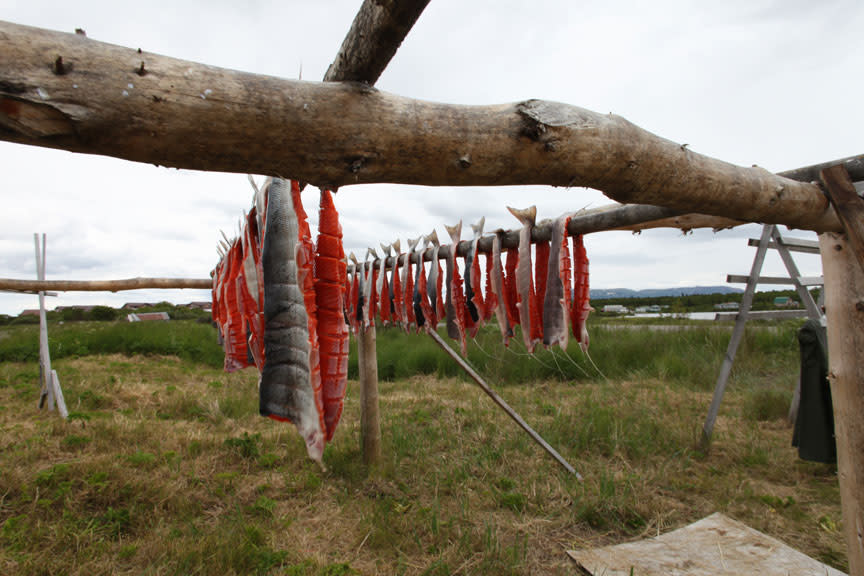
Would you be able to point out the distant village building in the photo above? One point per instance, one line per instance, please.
(615, 309)
(30, 312)
(135, 305)
(652, 309)
(785, 302)
(147, 317)
(727, 306)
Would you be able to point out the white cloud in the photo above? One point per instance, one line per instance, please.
(741, 81)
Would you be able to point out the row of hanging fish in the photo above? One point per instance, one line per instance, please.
(278, 302)
(545, 293)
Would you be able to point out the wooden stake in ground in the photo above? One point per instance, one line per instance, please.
(844, 308)
(370, 424)
(501, 402)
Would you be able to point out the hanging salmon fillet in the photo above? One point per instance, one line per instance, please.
(396, 294)
(455, 305)
(581, 293)
(524, 283)
(330, 278)
(288, 388)
(556, 303)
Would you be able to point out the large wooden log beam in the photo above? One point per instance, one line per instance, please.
(375, 35)
(17, 285)
(66, 91)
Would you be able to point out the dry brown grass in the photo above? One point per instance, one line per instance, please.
(165, 468)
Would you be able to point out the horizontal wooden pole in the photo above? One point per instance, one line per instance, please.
(764, 315)
(803, 280)
(103, 285)
(791, 244)
(625, 217)
(70, 92)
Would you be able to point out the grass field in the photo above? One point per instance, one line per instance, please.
(164, 466)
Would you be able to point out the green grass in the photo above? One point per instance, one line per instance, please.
(186, 339)
(165, 466)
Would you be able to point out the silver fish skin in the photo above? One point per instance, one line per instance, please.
(477, 229)
(368, 319)
(285, 390)
(452, 321)
(526, 217)
(498, 289)
(404, 271)
(417, 297)
(555, 329)
(432, 280)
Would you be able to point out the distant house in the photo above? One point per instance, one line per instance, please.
(30, 312)
(615, 309)
(147, 317)
(135, 305)
(208, 305)
(785, 302)
(727, 306)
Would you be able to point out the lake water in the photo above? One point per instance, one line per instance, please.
(687, 315)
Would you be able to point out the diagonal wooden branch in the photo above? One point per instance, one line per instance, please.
(147, 108)
(375, 35)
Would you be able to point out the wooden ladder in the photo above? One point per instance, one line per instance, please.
(772, 239)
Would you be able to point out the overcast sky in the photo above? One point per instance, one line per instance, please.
(773, 83)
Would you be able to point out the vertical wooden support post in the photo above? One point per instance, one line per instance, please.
(737, 335)
(844, 307)
(370, 425)
(843, 269)
(47, 391)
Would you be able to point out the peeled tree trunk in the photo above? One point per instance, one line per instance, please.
(67, 91)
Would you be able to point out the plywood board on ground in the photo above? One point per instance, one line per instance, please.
(714, 545)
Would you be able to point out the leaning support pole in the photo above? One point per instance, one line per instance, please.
(844, 308)
(500, 402)
(370, 425)
(737, 335)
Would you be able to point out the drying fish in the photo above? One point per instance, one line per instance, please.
(524, 284)
(454, 324)
(330, 277)
(556, 302)
(396, 295)
(498, 294)
(511, 294)
(287, 388)
(490, 302)
(473, 292)
(358, 289)
(252, 288)
(408, 286)
(385, 299)
(370, 296)
(434, 285)
(541, 267)
(581, 290)
(457, 310)
(422, 308)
